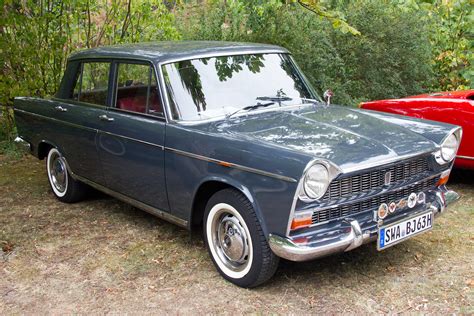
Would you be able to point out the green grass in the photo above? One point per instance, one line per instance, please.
(104, 256)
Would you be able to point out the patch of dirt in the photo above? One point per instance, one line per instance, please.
(104, 256)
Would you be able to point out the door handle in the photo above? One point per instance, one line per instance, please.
(60, 108)
(104, 117)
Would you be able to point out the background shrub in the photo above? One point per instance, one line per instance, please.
(390, 59)
(405, 47)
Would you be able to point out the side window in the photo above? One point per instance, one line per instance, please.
(137, 89)
(92, 83)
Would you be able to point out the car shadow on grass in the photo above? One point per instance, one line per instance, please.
(462, 176)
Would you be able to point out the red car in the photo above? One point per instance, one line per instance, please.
(450, 107)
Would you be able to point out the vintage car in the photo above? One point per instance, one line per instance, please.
(456, 107)
(232, 138)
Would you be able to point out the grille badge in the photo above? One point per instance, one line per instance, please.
(388, 177)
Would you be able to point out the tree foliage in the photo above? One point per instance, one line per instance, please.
(362, 49)
(390, 58)
(37, 36)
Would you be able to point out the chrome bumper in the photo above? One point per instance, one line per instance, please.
(334, 242)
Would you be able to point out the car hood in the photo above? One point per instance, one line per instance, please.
(347, 137)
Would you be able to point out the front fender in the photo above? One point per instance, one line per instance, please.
(229, 181)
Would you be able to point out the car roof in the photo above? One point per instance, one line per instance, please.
(174, 50)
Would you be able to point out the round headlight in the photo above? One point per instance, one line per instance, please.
(449, 147)
(316, 181)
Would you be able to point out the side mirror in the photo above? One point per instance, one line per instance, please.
(327, 96)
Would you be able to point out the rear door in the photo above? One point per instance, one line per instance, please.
(76, 113)
(132, 135)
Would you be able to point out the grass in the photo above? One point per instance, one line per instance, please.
(104, 256)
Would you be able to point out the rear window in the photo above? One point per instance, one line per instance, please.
(92, 83)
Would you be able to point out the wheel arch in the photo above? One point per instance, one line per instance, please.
(44, 146)
(209, 187)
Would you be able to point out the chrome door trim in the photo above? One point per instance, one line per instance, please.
(231, 165)
(132, 139)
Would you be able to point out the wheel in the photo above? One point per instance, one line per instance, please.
(64, 187)
(235, 240)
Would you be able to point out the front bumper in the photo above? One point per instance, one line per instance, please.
(349, 234)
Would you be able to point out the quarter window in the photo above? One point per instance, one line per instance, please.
(92, 83)
(137, 89)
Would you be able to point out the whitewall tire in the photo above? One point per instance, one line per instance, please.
(64, 187)
(235, 240)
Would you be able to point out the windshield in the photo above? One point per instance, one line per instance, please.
(211, 87)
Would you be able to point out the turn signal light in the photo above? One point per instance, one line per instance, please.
(302, 220)
(444, 178)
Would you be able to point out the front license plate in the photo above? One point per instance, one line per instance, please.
(393, 234)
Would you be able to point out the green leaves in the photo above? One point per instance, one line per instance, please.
(37, 37)
(335, 17)
(390, 58)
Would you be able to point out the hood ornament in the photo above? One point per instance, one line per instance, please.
(328, 94)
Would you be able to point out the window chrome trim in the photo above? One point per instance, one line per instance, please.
(75, 102)
(250, 50)
(231, 165)
(465, 157)
(160, 117)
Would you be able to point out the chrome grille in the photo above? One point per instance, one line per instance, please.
(371, 203)
(375, 179)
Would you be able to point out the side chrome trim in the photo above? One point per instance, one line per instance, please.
(89, 128)
(56, 120)
(132, 139)
(231, 165)
(145, 207)
(465, 157)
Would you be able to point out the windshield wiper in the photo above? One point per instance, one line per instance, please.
(251, 107)
(274, 98)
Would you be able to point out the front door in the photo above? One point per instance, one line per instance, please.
(132, 135)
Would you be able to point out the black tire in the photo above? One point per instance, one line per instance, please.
(65, 188)
(260, 263)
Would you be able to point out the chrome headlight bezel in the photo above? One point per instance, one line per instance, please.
(449, 147)
(321, 169)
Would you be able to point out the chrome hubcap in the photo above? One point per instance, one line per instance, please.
(58, 173)
(230, 241)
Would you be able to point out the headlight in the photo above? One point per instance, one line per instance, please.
(449, 148)
(316, 181)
